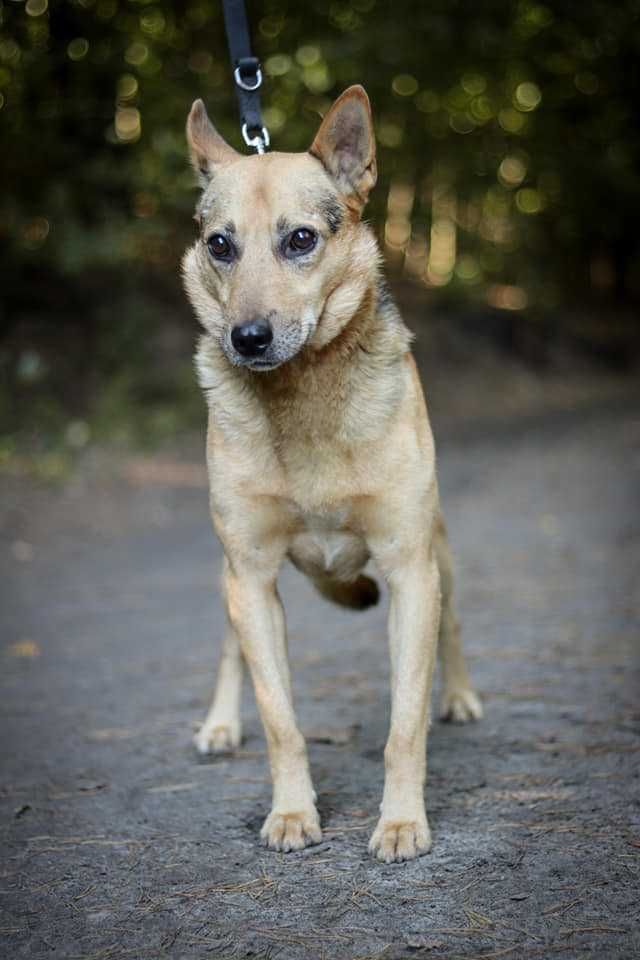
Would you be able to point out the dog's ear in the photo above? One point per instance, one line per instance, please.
(346, 146)
(207, 147)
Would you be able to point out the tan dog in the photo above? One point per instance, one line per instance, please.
(319, 449)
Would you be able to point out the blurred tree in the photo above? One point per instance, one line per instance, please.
(509, 153)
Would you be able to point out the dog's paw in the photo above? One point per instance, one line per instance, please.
(291, 831)
(460, 706)
(396, 840)
(222, 738)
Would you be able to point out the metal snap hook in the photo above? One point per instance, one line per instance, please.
(260, 142)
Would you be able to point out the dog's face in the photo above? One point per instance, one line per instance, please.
(282, 259)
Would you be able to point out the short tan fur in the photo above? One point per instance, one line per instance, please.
(319, 450)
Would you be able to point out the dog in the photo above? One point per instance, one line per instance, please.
(319, 450)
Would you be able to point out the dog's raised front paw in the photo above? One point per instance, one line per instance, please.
(291, 831)
(222, 738)
(460, 706)
(395, 840)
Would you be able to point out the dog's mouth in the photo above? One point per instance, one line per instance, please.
(259, 364)
(262, 364)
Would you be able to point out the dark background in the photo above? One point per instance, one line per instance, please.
(506, 207)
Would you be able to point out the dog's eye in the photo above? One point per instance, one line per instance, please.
(219, 247)
(301, 241)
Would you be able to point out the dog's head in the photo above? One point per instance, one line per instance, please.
(282, 260)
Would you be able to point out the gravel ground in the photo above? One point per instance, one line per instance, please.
(118, 842)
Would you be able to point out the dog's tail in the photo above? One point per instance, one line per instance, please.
(358, 594)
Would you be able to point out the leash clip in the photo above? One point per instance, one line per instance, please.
(247, 75)
(260, 142)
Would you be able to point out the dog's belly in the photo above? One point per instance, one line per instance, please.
(323, 549)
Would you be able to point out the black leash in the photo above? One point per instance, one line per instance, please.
(246, 74)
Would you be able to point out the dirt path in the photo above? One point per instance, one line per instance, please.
(119, 843)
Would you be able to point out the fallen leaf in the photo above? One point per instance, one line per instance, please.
(24, 648)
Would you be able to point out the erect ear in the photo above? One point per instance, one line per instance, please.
(346, 146)
(207, 147)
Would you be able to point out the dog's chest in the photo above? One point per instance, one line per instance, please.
(324, 483)
(322, 479)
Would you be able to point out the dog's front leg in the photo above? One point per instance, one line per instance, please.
(403, 831)
(257, 616)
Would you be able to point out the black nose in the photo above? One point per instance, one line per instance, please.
(251, 339)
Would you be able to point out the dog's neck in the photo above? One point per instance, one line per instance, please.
(346, 389)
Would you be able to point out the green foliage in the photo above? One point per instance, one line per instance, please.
(523, 112)
(509, 152)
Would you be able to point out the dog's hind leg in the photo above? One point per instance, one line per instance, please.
(458, 701)
(222, 728)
